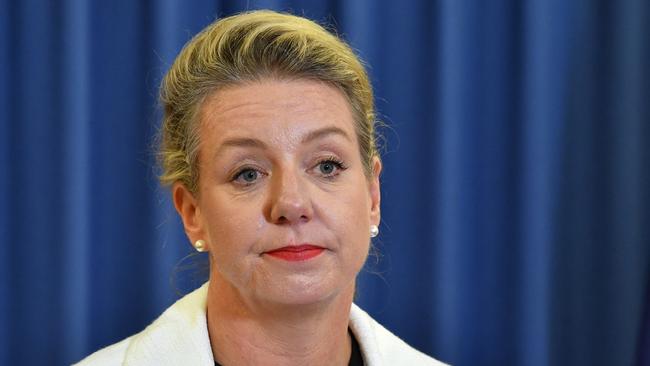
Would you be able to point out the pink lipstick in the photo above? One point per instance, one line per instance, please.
(297, 252)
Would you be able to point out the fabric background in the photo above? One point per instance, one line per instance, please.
(516, 207)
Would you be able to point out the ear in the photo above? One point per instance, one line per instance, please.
(189, 211)
(375, 192)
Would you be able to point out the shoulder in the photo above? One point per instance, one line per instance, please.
(380, 346)
(179, 336)
(111, 355)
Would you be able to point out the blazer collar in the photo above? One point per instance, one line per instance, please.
(180, 335)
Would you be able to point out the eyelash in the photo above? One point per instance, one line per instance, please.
(340, 166)
(239, 173)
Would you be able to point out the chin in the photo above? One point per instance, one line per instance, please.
(301, 291)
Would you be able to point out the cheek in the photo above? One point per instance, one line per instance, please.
(234, 232)
(352, 217)
(232, 225)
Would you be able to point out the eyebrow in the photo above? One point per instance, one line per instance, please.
(243, 142)
(322, 132)
(255, 143)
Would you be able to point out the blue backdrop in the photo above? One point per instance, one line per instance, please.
(516, 199)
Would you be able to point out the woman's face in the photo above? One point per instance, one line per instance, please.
(280, 168)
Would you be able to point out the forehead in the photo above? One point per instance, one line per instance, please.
(275, 110)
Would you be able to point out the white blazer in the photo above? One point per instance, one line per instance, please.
(180, 337)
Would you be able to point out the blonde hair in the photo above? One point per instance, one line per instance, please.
(248, 47)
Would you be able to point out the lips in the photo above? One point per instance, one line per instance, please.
(294, 253)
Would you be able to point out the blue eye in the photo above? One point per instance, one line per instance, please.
(330, 167)
(327, 167)
(247, 176)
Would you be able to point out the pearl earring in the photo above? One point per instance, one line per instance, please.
(199, 245)
(374, 231)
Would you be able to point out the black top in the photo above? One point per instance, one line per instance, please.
(355, 356)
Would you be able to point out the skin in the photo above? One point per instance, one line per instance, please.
(279, 166)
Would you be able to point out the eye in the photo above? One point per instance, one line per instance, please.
(247, 176)
(327, 167)
(330, 167)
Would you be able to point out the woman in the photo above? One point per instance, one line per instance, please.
(268, 143)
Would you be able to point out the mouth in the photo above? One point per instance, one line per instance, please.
(295, 253)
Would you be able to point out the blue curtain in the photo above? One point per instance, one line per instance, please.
(516, 199)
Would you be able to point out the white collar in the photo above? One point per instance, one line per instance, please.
(180, 335)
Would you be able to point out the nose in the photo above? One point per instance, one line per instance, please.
(289, 200)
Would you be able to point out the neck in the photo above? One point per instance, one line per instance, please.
(245, 333)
